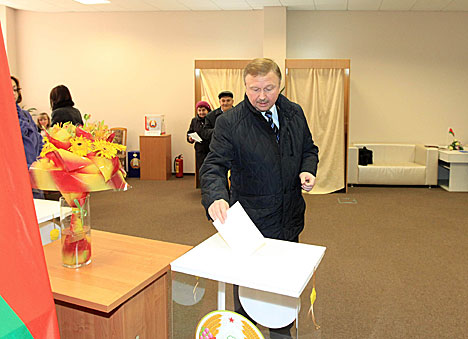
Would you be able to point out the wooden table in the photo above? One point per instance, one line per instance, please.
(122, 293)
(155, 157)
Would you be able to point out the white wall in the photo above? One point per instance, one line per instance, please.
(409, 74)
(120, 66)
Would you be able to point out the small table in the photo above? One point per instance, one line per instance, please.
(155, 157)
(453, 170)
(122, 293)
(264, 270)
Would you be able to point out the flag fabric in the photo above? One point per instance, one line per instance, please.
(27, 307)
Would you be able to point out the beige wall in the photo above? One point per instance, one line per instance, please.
(409, 74)
(274, 35)
(408, 70)
(8, 21)
(120, 66)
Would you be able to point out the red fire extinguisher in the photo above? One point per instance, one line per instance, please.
(179, 166)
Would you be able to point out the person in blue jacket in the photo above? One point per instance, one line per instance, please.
(32, 139)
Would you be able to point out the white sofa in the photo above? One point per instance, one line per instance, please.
(394, 164)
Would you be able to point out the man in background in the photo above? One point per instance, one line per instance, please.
(266, 144)
(226, 100)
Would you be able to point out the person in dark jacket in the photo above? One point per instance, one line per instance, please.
(226, 101)
(201, 148)
(62, 107)
(32, 139)
(266, 143)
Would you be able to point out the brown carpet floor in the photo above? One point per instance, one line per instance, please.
(396, 264)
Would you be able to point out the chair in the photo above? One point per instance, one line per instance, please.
(121, 139)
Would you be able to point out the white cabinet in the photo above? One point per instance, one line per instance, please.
(453, 170)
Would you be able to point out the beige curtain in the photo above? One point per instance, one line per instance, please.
(214, 81)
(320, 92)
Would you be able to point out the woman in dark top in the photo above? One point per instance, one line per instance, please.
(201, 148)
(62, 107)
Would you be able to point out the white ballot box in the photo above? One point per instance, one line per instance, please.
(271, 281)
(154, 124)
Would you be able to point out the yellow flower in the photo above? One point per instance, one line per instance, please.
(98, 130)
(106, 149)
(120, 147)
(81, 146)
(62, 132)
(47, 147)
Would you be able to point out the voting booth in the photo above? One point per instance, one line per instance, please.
(271, 280)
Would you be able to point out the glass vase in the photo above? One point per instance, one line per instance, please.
(75, 230)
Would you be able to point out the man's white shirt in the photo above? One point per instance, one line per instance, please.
(274, 115)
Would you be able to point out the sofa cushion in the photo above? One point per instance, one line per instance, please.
(405, 173)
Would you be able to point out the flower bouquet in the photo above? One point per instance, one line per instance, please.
(455, 145)
(77, 161)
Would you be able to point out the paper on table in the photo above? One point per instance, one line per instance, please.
(239, 232)
(195, 137)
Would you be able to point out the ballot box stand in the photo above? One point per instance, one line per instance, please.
(275, 283)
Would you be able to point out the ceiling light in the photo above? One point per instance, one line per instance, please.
(93, 2)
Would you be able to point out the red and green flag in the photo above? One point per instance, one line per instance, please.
(27, 307)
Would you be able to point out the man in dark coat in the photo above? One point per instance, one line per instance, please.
(266, 143)
(226, 100)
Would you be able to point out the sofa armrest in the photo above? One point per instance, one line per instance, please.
(428, 156)
(353, 170)
(420, 155)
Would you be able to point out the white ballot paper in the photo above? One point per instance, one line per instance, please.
(239, 232)
(195, 137)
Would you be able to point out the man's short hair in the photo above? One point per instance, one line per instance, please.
(225, 94)
(262, 66)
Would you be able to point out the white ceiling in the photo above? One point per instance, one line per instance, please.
(218, 5)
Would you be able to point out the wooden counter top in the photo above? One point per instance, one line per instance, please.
(121, 266)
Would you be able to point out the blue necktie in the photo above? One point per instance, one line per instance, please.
(275, 129)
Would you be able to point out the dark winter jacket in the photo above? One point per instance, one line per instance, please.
(264, 173)
(210, 123)
(65, 114)
(196, 125)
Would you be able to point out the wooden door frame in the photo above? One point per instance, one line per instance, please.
(345, 65)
